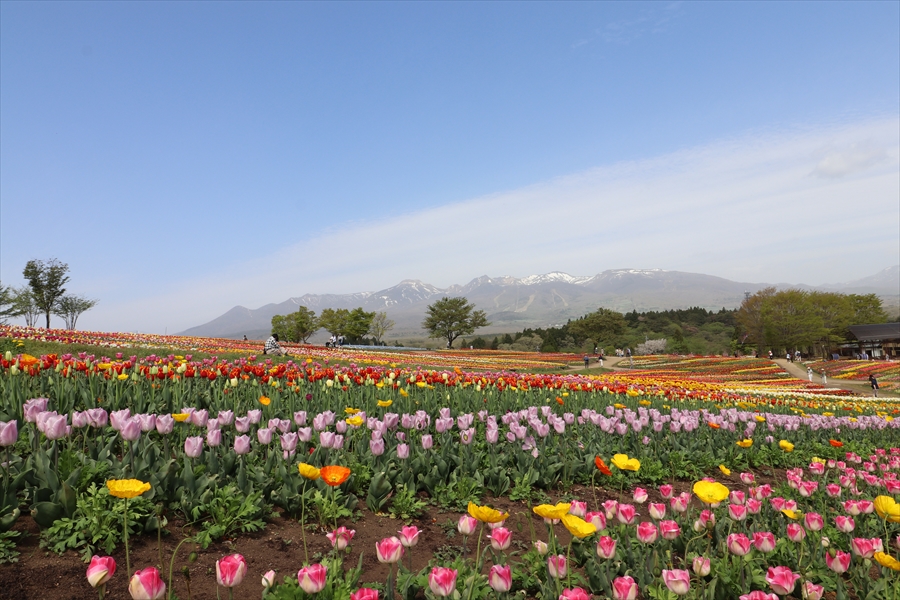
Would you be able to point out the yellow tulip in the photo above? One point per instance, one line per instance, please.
(486, 514)
(711, 492)
(578, 526)
(887, 508)
(385, 403)
(127, 488)
(623, 462)
(548, 511)
(181, 417)
(786, 446)
(745, 443)
(308, 471)
(351, 411)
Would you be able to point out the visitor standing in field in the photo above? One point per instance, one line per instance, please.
(874, 383)
(809, 371)
(587, 360)
(824, 377)
(273, 347)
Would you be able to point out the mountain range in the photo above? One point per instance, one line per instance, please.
(512, 304)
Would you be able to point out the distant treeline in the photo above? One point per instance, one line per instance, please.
(693, 330)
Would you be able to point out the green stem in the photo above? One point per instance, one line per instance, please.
(172, 565)
(303, 523)
(125, 534)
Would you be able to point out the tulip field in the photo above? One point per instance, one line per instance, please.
(361, 476)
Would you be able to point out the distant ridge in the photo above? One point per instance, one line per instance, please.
(537, 300)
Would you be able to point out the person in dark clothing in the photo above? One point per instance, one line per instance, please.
(874, 383)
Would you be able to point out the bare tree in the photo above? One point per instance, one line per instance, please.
(25, 306)
(69, 308)
(380, 325)
(46, 280)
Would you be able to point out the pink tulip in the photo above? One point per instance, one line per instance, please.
(666, 491)
(500, 578)
(839, 563)
(9, 433)
(624, 588)
(701, 566)
(467, 524)
(193, 446)
(364, 594)
(101, 569)
(389, 550)
(230, 570)
(268, 580)
(764, 541)
(753, 506)
(146, 584)
(409, 536)
(812, 591)
(242, 444)
(639, 495)
(500, 538)
(738, 544)
(557, 566)
(578, 508)
(795, 532)
(866, 548)
(813, 521)
(340, 538)
(758, 595)
(32, 408)
(657, 510)
(677, 580)
(647, 532)
(597, 519)
(680, 502)
(541, 547)
(867, 507)
(844, 524)
(575, 593)
(606, 547)
(737, 512)
(747, 478)
(625, 514)
(312, 578)
(782, 580)
(610, 506)
(442, 581)
(669, 530)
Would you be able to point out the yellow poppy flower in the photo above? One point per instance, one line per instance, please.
(486, 514)
(745, 443)
(308, 471)
(385, 403)
(792, 514)
(351, 411)
(886, 560)
(786, 446)
(181, 417)
(711, 492)
(623, 462)
(725, 470)
(549, 511)
(355, 420)
(760, 419)
(127, 488)
(617, 405)
(578, 526)
(887, 508)
(265, 400)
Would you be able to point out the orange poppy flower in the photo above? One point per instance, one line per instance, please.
(602, 466)
(714, 425)
(836, 443)
(334, 475)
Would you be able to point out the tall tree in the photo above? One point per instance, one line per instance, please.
(297, 326)
(7, 304)
(450, 318)
(750, 318)
(24, 306)
(380, 325)
(603, 326)
(791, 320)
(69, 308)
(46, 280)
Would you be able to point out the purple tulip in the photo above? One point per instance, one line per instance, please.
(97, 417)
(403, 451)
(326, 439)
(117, 417)
(165, 424)
(148, 422)
(427, 442)
(300, 418)
(33, 408)
(225, 417)
(79, 419)
(376, 446)
(214, 437)
(242, 424)
(338, 442)
(200, 417)
(493, 435)
(193, 446)
(304, 434)
(212, 424)
(131, 429)
(264, 435)
(340, 426)
(242, 444)
(255, 416)
(9, 433)
(289, 442)
(56, 427)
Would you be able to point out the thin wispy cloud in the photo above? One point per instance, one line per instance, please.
(736, 208)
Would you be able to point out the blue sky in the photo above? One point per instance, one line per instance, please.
(184, 158)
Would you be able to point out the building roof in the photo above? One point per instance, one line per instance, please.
(876, 333)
